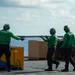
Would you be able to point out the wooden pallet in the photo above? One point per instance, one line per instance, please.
(34, 58)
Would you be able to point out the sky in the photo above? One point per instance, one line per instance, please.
(36, 17)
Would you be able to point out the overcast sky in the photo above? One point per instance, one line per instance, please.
(36, 17)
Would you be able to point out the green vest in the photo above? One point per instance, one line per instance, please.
(5, 36)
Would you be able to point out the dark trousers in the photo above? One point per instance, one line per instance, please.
(5, 49)
(49, 58)
(67, 57)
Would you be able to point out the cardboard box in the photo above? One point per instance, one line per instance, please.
(37, 49)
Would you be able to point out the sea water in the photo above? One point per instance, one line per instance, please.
(23, 43)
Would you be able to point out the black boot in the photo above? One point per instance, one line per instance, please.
(48, 69)
(9, 69)
(57, 64)
(64, 70)
(74, 69)
(66, 67)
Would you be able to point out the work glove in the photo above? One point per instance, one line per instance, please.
(41, 36)
(46, 37)
(22, 38)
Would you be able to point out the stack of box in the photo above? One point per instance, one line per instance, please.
(37, 49)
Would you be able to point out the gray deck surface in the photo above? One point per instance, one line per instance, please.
(36, 67)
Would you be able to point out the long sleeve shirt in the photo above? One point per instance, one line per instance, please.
(52, 41)
(68, 40)
(5, 36)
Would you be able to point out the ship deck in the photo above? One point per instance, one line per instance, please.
(36, 67)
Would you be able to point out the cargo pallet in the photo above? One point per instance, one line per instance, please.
(34, 58)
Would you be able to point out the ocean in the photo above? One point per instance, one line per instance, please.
(23, 43)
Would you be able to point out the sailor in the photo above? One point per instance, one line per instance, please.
(52, 43)
(5, 39)
(67, 45)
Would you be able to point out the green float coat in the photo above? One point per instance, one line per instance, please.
(5, 36)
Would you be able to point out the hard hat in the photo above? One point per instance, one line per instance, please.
(52, 31)
(66, 28)
(6, 26)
